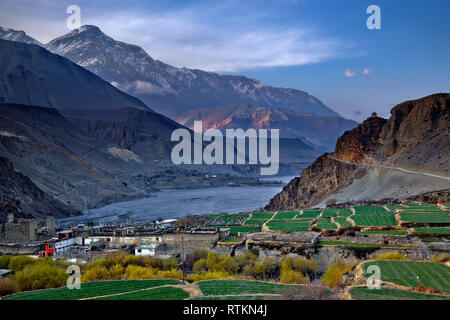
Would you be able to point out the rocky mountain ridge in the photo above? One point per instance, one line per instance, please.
(170, 90)
(380, 151)
(319, 132)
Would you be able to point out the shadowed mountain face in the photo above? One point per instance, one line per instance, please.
(31, 75)
(405, 155)
(21, 197)
(320, 132)
(63, 161)
(167, 89)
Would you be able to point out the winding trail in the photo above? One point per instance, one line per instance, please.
(365, 165)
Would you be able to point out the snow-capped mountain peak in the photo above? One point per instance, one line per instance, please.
(17, 35)
(167, 89)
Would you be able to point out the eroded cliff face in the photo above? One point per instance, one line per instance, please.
(416, 136)
(354, 145)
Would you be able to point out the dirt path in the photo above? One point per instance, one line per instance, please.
(266, 228)
(193, 290)
(365, 165)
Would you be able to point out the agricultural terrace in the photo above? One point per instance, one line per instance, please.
(335, 218)
(262, 215)
(412, 274)
(236, 287)
(337, 212)
(373, 216)
(425, 217)
(364, 293)
(285, 215)
(289, 225)
(342, 222)
(92, 289)
(254, 222)
(326, 224)
(309, 214)
(237, 229)
(433, 230)
(161, 293)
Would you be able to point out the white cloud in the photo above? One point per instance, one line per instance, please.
(348, 73)
(203, 37)
(367, 71)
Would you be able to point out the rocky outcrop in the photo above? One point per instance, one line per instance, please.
(416, 136)
(363, 140)
(324, 177)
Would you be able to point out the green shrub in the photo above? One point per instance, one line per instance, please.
(95, 273)
(139, 273)
(292, 277)
(40, 276)
(20, 262)
(334, 274)
(8, 286)
(4, 261)
(391, 256)
(200, 266)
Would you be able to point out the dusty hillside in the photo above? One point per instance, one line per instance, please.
(380, 158)
(62, 160)
(20, 196)
(417, 135)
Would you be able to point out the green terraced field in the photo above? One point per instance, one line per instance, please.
(309, 214)
(91, 289)
(243, 229)
(423, 207)
(163, 293)
(388, 232)
(430, 217)
(262, 215)
(433, 230)
(394, 207)
(255, 222)
(340, 212)
(234, 287)
(368, 220)
(228, 216)
(363, 293)
(326, 224)
(285, 215)
(342, 222)
(288, 225)
(371, 210)
(412, 274)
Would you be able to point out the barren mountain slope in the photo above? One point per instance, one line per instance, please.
(405, 155)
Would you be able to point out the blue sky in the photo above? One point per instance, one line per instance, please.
(319, 46)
